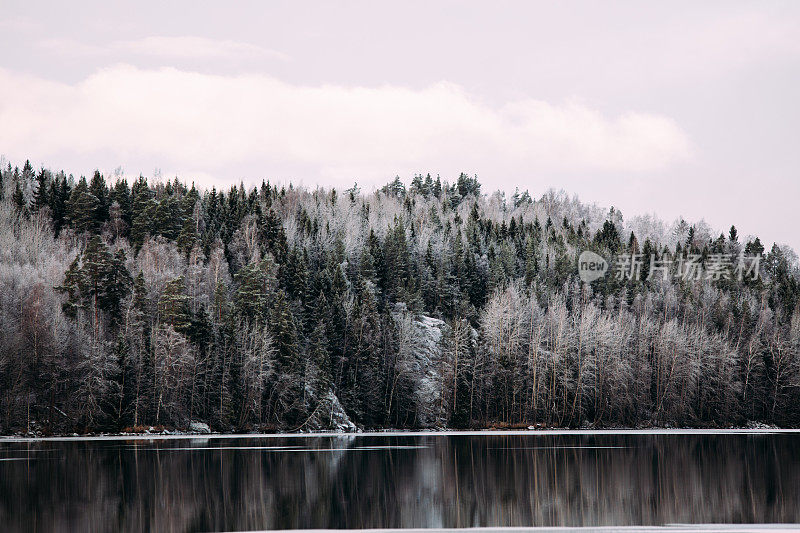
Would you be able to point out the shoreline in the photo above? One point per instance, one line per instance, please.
(409, 433)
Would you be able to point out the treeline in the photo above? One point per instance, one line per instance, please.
(135, 304)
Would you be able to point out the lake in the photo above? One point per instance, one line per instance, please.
(555, 479)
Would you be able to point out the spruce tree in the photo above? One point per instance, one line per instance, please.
(118, 286)
(289, 365)
(257, 282)
(142, 212)
(188, 236)
(41, 193)
(99, 190)
(364, 378)
(125, 380)
(121, 194)
(18, 198)
(318, 355)
(284, 334)
(173, 306)
(60, 197)
(82, 208)
(72, 288)
(27, 172)
(274, 237)
(168, 219)
(96, 269)
(531, 263)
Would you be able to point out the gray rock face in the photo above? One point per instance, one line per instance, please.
(199, 427)
(330, 416)
(428, 354)
(420, 361)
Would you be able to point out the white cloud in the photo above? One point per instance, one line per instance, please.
(185, 47)
(187, 120)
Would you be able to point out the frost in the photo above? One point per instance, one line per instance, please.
(199, 427)
(330, 416)
(421, 362)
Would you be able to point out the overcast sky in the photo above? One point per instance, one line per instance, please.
(673, 108)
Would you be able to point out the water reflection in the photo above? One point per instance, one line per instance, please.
(403, 481)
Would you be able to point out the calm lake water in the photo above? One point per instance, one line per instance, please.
(199, 484)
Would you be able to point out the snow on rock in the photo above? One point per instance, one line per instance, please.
(421, 361)
(753, 424)
(329, 415)
(199, 427)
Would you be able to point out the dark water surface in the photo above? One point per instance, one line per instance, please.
(373, 481)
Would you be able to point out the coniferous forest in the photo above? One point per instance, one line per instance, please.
(131, 304)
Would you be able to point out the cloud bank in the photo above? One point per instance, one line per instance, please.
(204, 123)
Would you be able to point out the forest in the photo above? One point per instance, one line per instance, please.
(126, 305)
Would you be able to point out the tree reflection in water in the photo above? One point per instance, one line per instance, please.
(400, 481)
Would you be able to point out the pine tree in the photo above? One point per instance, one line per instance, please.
(459, 354)
(608, 237)
(99, 190)
(121, 195)
(60, 193)
(97, 265)
(284, 333)
(274, 237)
(733, 235)
(27, 172)
(82, 208)
(173, 306)
(188, 237)
(142, 212)
(395, 260)
(319, 356)
(295, 274)
(41, 194)
(125, 380)
(18, 198)
(168, 219)
(118, 286)
(531, 263)
(72, 288)
(257, 283)
(364, 379)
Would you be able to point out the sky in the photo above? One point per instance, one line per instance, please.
(674, 108)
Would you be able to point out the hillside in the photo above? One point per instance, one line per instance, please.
(127, 305)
